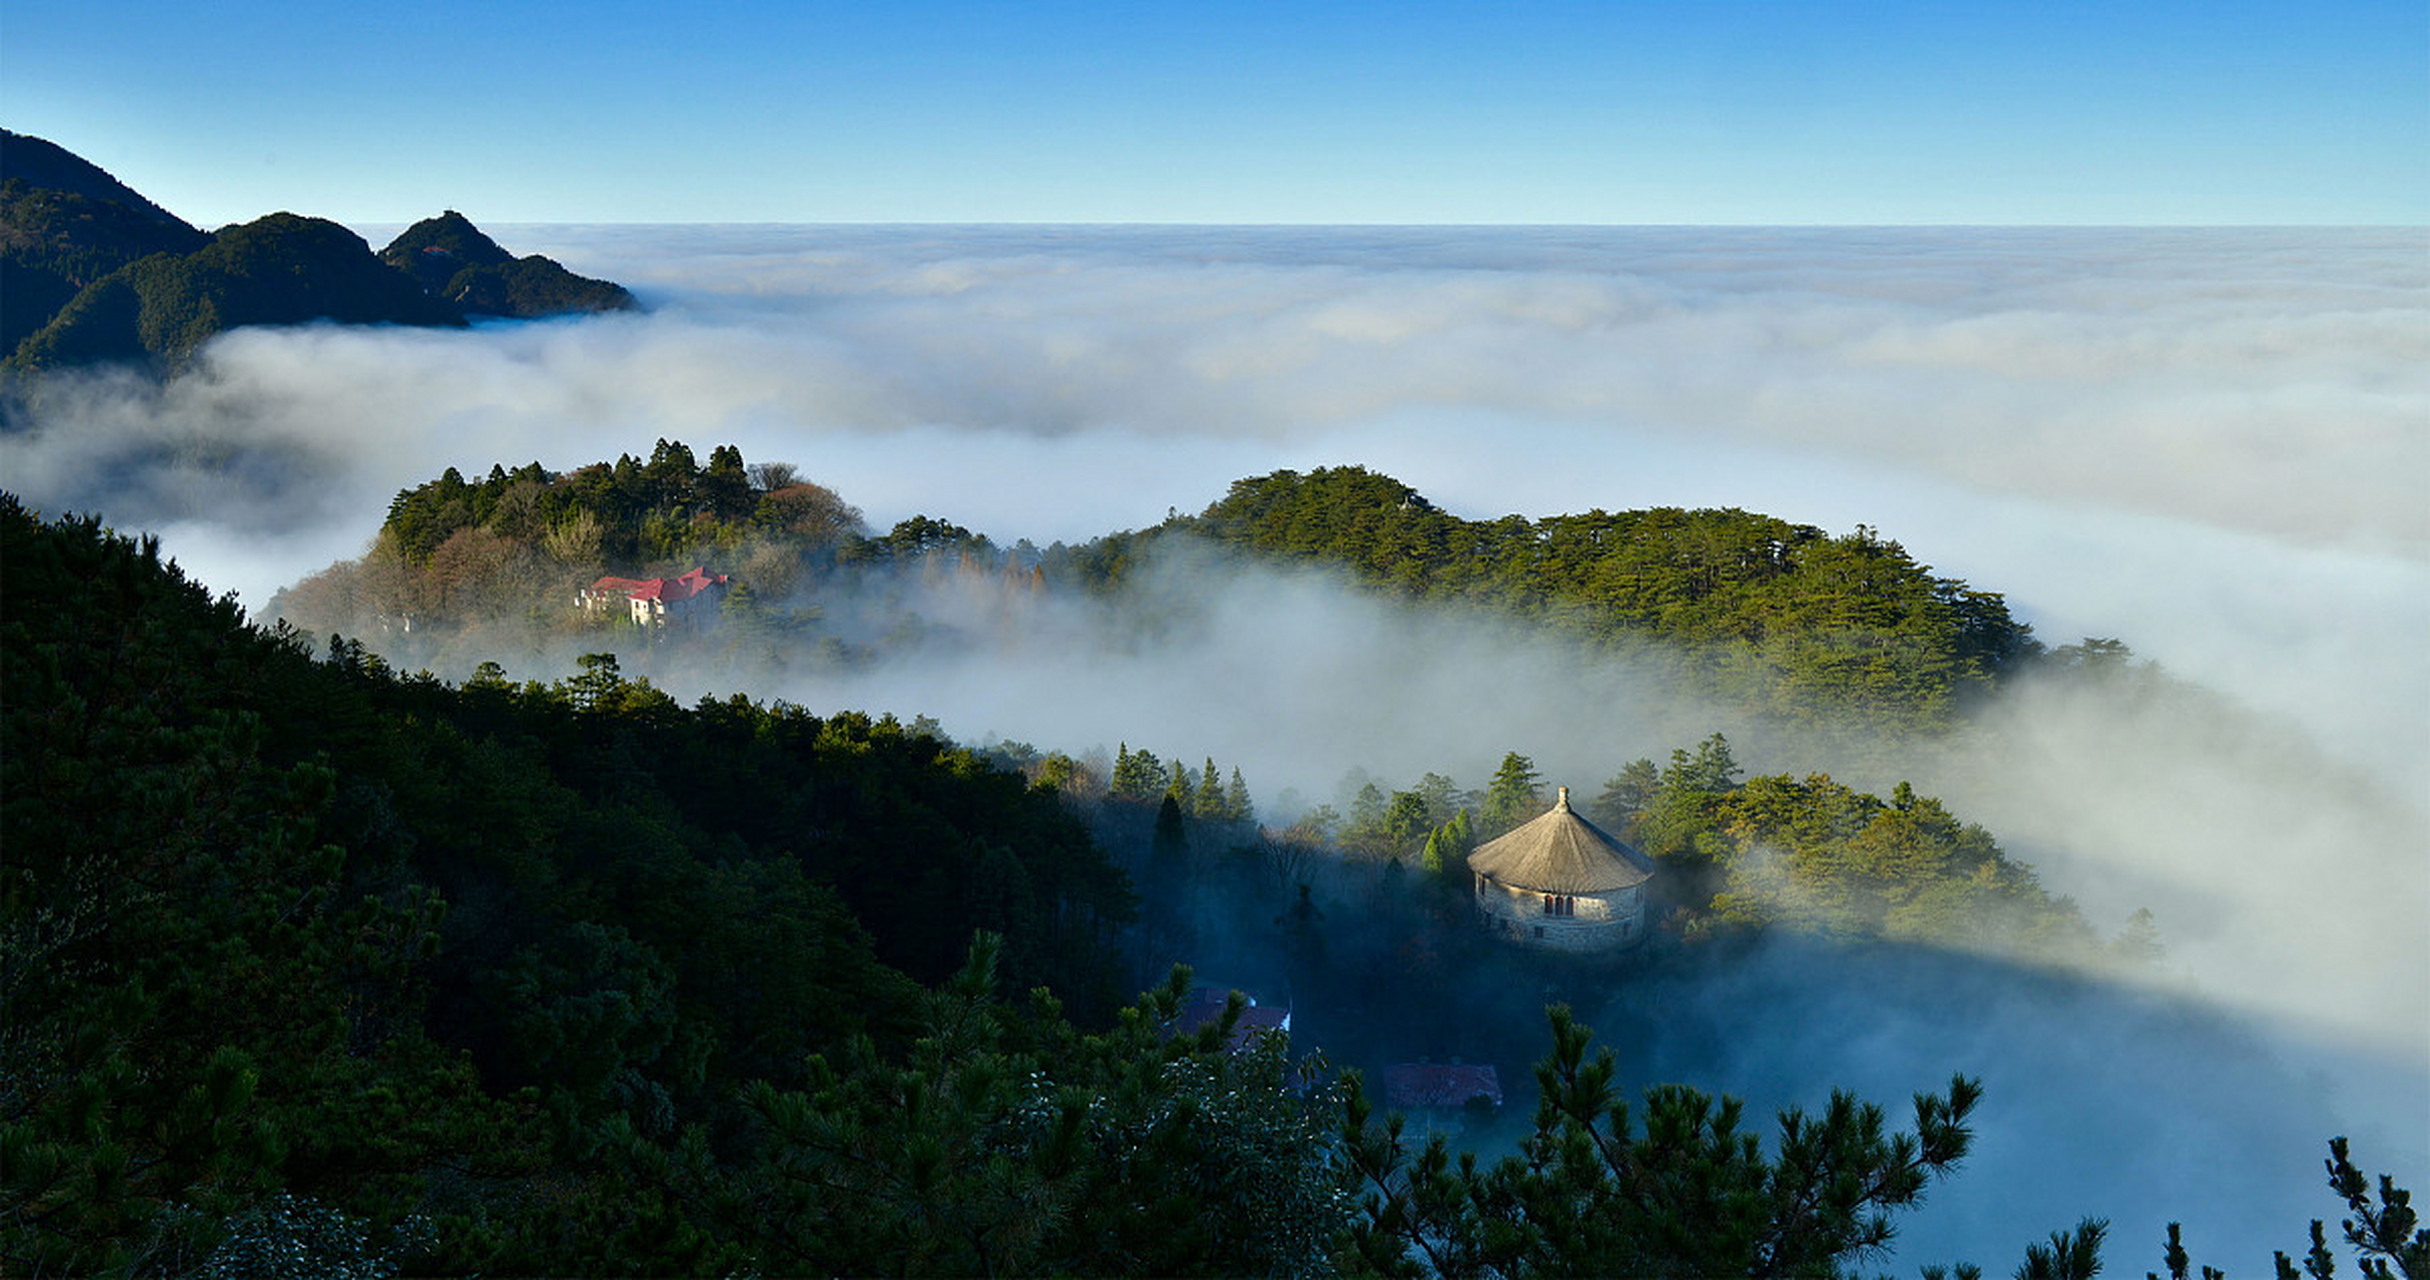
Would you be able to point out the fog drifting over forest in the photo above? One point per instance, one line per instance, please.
(2209, 444)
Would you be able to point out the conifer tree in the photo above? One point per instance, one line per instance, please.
(1405, 820)
(1138, 775)
(1686, 1192)
(1514, 796)
(1236, 803)
(1208, 802)
(1627, 794)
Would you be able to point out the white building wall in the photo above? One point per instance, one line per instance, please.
(1603, 922)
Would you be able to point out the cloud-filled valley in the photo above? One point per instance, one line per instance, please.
(2208, 444)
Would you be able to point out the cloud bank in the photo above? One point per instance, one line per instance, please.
(2207, 443)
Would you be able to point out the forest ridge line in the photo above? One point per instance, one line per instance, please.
(1780, 618)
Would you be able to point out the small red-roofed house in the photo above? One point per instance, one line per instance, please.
(653, 601)
(608, 593)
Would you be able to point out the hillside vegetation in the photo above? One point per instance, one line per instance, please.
(1792, 626)
(271, 924)
(310, 969)
(462, 564)
(1846, 628)
(1779, 616)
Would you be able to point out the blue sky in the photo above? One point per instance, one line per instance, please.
(2150, 112)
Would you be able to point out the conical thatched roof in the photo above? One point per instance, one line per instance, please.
(1562, 852)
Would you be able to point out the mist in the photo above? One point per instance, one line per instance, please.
(2205, 443)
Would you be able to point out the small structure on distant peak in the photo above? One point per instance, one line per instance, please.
(651, 602)
(1562, 883)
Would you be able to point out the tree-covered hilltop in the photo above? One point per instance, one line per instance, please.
(1816, 855)
(629, 512)
(459, 562)
(1782, 623)
(1780, 617)
(1735, 857)
(450, 258)
(64, 223)
(91, 272)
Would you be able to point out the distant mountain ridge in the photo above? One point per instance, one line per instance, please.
(450, 258)
(92, 272)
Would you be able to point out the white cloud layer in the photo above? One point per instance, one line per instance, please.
(2210, 444)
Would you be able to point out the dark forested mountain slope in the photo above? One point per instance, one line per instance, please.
(271, 923)
(43, 164)
(97, 273)
(282, 269)
(65, 224)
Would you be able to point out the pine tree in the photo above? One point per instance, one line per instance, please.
(1364, 831)
(1627, 794)
(1442, 797)
(1711, 769)
(1405, 820)
(1684, 1192)
(1433, 861)
(1515, 795)
(1208, 802)
(1138, 775)
(1236, 803)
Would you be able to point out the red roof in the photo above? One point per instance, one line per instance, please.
(667, 589)
(1409, 1086)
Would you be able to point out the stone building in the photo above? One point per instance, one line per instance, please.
(1562, 883)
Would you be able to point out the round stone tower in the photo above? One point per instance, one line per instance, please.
(1562, 883)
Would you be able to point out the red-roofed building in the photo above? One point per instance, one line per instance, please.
(651, 601)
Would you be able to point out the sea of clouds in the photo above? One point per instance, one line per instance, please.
(2212, 444)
